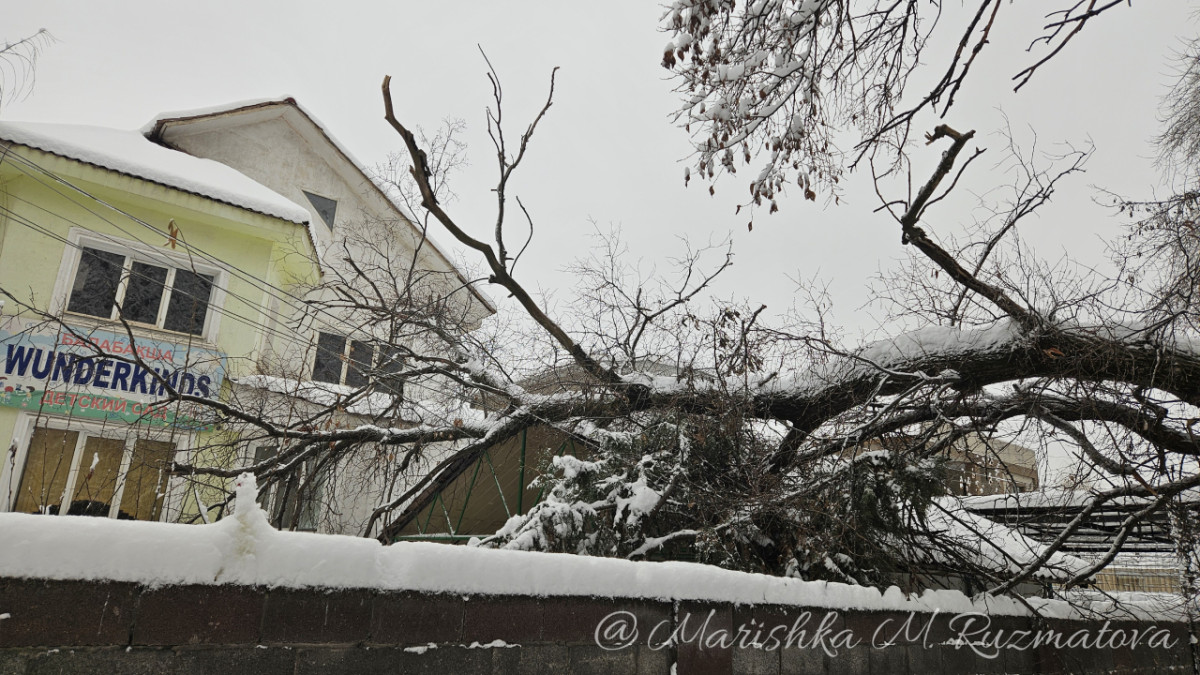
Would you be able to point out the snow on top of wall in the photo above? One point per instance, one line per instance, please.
(130, 153)
(245, 549)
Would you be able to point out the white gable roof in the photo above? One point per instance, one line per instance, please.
(130, 153)
(217, 116)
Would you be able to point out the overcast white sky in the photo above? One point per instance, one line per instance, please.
(607, 152)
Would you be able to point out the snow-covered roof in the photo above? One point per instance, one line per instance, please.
(996, 546)
(130, 153)
(155, 128)
(1055, 498)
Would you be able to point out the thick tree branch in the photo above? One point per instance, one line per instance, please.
(499, 272)
(915, 235)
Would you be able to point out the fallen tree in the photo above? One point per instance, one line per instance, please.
(770, 444)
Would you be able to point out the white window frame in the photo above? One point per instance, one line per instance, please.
(79, 238)
(347, 344)
(13, 469)
(377, 352)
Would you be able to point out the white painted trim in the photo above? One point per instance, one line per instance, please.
(69, 267)
(14, 464)
(122, 470)
(72, 466)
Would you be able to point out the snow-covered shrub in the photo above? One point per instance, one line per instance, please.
(703, 488)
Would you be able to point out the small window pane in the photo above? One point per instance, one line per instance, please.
(146, 481)
(46, 467)
(99, 466)
(263, 453)
(188, 305)
(360, 363)
(387, 378)
(284, 515)
(327, 366)
(326, 207)
(144, 294)
(310, 494)
(94, 290)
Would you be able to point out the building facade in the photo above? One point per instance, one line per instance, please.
(986, 466)
(127, 268)
(188, 257)
(320, 350)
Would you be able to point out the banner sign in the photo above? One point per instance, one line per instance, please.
(98, 374)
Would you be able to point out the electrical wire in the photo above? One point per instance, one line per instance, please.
(279, 293)
(225, 312)
(272, 290)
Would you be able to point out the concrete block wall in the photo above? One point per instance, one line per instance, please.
(67, 627)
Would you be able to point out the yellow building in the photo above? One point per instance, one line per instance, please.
(126, 267)
(189, 255)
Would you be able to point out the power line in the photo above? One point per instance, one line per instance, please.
(272, 290)
(20, 220)
(340, 324)
(192, 249)
(451, 393)
(305, 308)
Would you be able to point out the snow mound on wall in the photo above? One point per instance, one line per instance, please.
(245, 549)
(130, 153)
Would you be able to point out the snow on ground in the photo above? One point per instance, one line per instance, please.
(245, 549)
(130, 153)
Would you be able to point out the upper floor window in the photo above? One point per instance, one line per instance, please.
(114, 285)
(326, 207)
(356, 363)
